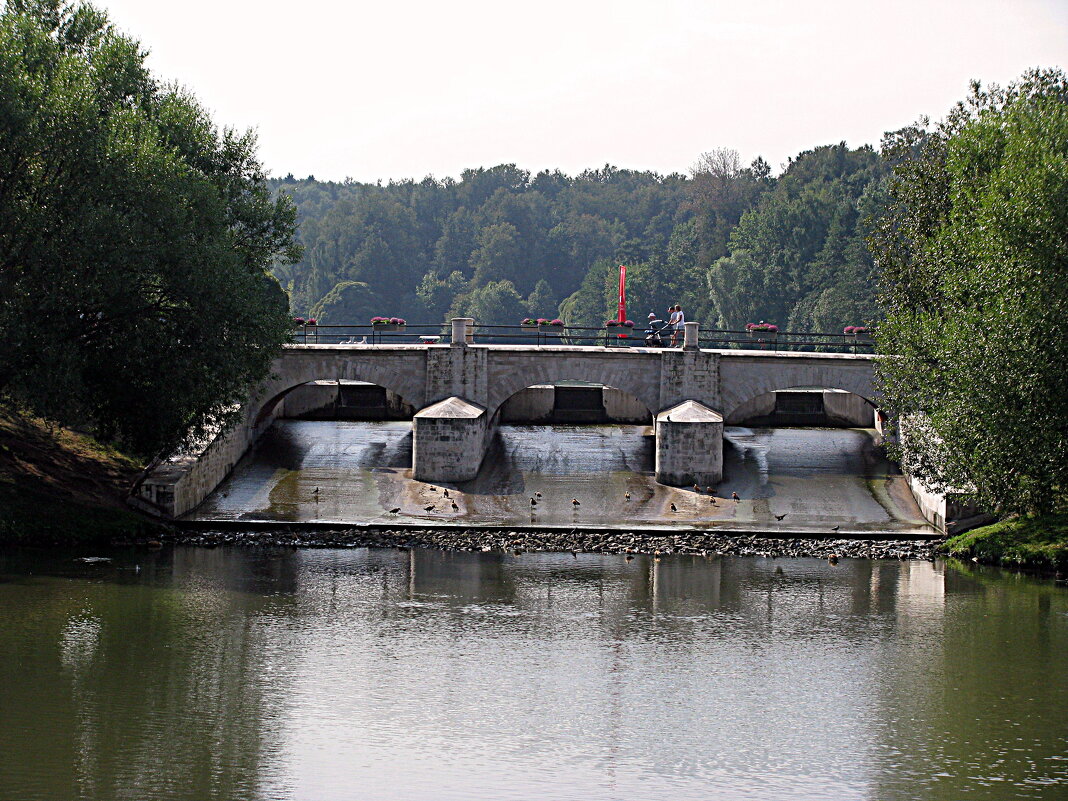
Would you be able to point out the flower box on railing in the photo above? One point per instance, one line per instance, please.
(858, 331)
(762, 331)
(543, 325)
(627, 324)
(387, 324)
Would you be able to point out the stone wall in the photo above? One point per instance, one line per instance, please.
(536, 405)
(689, 445)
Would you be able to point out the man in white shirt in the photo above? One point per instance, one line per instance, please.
(678, 322)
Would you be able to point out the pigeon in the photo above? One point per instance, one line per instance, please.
(394, 510)
(780, 517)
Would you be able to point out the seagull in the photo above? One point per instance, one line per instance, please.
(394, 511)
(780, 517)
(734, 496)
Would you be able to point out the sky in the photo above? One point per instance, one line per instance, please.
(388, 91)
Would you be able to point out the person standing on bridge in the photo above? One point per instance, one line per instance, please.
(679, 324)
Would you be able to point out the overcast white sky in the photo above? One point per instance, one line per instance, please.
(380, 90)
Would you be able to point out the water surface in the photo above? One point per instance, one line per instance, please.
(817, 478)
(358, 674)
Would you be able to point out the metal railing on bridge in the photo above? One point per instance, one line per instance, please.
(617, 336)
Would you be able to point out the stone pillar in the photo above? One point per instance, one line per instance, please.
(461, 331)
(449, 439)
(689, 445)
(689, 341)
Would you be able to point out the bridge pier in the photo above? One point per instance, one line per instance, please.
(689, 445)
(449, 440)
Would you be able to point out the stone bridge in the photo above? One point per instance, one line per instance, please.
(459, 389)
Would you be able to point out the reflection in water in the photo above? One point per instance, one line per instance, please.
(817, 478)
(330, 674)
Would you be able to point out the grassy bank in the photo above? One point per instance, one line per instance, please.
(59, 486)
(1034, 543)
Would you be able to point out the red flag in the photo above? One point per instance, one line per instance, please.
(622, 293)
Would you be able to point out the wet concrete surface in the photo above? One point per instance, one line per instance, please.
(354, 473)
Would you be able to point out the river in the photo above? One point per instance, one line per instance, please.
(255, 673)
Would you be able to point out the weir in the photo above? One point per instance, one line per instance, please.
(460, 388)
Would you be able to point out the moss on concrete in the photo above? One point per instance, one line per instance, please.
(1033, 543)
(59, 486)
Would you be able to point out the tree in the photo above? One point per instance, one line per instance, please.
(135, 238)
(974, 253)
(348, 303)
(496, 303)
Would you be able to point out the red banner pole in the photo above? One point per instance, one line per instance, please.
(622, 293)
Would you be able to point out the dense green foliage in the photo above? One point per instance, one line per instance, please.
(134, 238)
(1033, 542)
(974, 253)
(730, 243)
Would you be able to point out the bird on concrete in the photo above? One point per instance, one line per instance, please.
(455, 507)
(575, 554)
(833, 558)
(656, 556)
(712, 501)
(446, 493)
(674, 508)
(627, 496)
(394, 510)
(429, 508)
(537, 494)
(696, 488)
(708, 490)
(780, 517)
(835, 529)
(575, 502)
(629, 558)
(734, 496)
(533, 502)
(432, 488)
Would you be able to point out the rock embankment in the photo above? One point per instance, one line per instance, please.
(613, 542)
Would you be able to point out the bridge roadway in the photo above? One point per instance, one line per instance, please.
(459, 388)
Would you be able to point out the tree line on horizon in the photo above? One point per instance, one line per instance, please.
(730, 242)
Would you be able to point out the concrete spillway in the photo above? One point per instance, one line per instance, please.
(817, 478)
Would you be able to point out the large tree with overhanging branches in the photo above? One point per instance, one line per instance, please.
(135, 238)
(974, 259)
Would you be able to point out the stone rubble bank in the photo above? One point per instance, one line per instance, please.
(578, 541)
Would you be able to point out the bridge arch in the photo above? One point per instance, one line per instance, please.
(402, 373)
(744, 378)
(637, 375)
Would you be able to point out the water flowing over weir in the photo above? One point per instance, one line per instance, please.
(343, 472)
